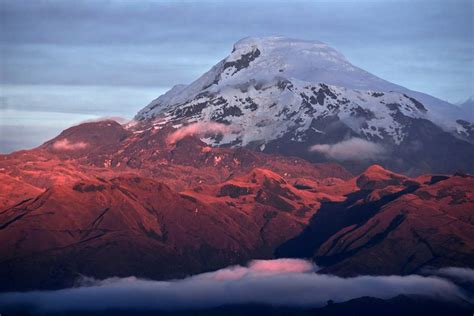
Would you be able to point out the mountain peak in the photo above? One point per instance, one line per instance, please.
(269, 59)
(377, 177)
(277, 42)
(274, 87)
(273, 39)
(264, 58)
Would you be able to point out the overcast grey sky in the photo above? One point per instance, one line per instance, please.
(66, 61)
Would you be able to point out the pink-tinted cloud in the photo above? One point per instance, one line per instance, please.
(282, 266)
(263, 267)
(198, 129)
(355, 149)
(65, 144)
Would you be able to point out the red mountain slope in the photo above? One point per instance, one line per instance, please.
(101, 200)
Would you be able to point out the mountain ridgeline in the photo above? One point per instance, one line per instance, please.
(270, 154)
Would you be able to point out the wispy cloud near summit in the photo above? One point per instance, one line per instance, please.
(355, 149)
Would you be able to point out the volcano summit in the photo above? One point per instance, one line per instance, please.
(284, 96)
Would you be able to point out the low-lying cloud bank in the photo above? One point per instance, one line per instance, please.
(355, 149)
(282, 282)
(198, 129)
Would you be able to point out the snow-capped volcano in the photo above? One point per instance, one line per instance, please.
(286, 95)
(267, 58)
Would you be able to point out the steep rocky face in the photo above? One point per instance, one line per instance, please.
(430, 226)
(285, 96)
(391, 225)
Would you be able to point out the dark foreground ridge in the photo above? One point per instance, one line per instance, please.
(364, 306)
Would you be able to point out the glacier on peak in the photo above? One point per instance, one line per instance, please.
(284, 96)
(262, 59)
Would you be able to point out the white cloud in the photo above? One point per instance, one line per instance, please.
(198, 129)
(460, 274)
(351, 149)
(282, 282)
